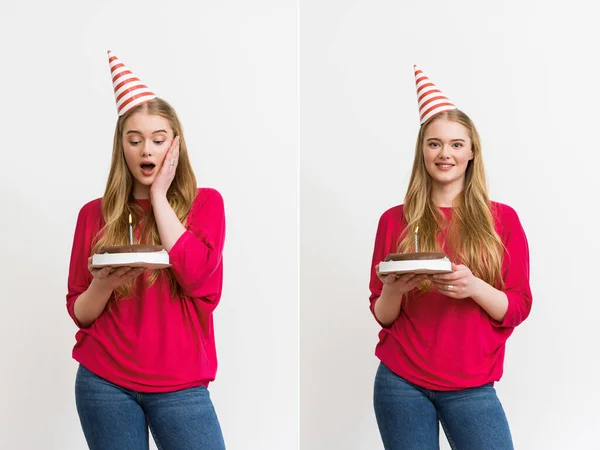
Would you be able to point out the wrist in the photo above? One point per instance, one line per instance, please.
(100, 288)
(157, 197)
(391, 292)
(479, 288)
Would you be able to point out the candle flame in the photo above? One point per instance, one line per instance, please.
(417, 230)
(129, 218)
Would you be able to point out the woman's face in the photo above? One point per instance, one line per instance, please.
(146, 140)
(447, 150)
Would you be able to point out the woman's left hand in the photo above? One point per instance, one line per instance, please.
(165, 177)
(461, 283)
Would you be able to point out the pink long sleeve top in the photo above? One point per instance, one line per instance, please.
(442, 343)
(153, 341)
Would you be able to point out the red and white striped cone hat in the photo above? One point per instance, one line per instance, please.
(129, 90)
(431, 100)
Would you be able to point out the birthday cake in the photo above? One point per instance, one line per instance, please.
(137, 255)
(420, 262)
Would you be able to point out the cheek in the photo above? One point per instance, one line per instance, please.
(465, 158)
(161, 150)
(128, 152)
(131, 158)
(429, 156)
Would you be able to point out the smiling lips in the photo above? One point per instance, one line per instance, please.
(444, 166)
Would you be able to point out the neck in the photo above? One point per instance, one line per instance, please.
(141, 192)
(444, 195)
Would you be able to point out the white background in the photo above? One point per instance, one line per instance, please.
(230, 71)
(526, 73)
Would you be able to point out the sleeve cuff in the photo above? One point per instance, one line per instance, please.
(508, 320)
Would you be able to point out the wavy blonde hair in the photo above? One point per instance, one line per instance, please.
(118, 201)
(470, 234)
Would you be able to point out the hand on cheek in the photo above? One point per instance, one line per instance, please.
(165, 177)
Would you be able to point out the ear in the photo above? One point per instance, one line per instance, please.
(471, 156)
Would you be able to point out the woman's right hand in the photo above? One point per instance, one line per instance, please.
(111, 278)
(400, 284)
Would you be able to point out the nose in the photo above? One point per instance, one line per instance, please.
(146, 151)
(444, 152)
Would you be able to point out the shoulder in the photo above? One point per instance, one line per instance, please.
(92, 209)
(506, 218)
(89, 219)
(391, 219)
(208, 203)
(208, 195)
(503, 212)
(394, 214)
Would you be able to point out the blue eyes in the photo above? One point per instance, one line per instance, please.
(436, 145)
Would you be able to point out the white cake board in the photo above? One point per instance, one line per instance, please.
(422, 266)
(150, 260)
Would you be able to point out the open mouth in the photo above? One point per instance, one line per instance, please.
(444, 166)
(147, 168)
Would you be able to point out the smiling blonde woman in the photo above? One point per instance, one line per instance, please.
(443, 337)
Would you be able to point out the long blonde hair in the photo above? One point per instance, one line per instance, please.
(470, 234)
(118, 201)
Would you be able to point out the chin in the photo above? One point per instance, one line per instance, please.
(144, 181)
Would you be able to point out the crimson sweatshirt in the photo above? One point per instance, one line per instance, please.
(442, 343)
(152, 341)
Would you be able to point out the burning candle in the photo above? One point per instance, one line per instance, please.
(417, 240)
(130, 231)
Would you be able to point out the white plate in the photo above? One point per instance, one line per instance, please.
(150, 260)
(429, 266)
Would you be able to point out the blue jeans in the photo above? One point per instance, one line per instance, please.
(408, 416)
(114, 418)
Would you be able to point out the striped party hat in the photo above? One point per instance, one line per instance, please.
(129, 90)
(431, 99)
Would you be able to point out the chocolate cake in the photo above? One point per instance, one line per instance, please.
(137, 255)
(419, 262)
(414, 256)
(135, 248)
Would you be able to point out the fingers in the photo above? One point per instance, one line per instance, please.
(117, 272)
(175, 154)
(178, 140)
(100, 273)
(404, 277)
(388, 278)
(447, 276)
(172, 157)
(129, 272)
(134, 273)
(124, 275)
(174, 146)
(409, 279)
(414, 277)
(120, 272)
(450, 290)
(416, 280)
(420, 278)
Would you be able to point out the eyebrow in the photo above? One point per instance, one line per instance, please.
(138, 132)
(438, 139)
